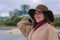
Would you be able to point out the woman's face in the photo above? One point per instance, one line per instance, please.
(38, 16)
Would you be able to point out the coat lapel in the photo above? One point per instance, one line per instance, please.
(37, 31)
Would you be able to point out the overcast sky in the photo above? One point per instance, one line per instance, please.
(10, 5)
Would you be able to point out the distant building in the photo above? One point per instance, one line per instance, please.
(56, 15)
(17, 12)
(11, 13)
(22, 12)
(4, 18)
(25, 8)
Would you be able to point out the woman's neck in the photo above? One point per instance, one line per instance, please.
(38, 24)
(42, 21)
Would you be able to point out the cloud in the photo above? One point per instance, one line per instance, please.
(5, 14)
(9, 5)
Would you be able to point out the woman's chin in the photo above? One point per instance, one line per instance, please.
(37, 21)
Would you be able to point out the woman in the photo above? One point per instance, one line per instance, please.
(43, 29)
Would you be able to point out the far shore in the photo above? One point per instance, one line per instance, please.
(16, 30)
(11, 29)
(8, 27)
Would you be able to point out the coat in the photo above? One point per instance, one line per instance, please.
(44, 32)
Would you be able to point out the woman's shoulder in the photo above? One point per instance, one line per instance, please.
(51, 27)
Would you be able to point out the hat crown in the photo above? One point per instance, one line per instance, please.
(42, 7)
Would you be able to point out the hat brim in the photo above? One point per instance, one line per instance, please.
(48, 13)
(31, 13)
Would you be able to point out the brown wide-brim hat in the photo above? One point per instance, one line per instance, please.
(43, 9)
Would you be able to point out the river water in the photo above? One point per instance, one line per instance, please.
(7, 36)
